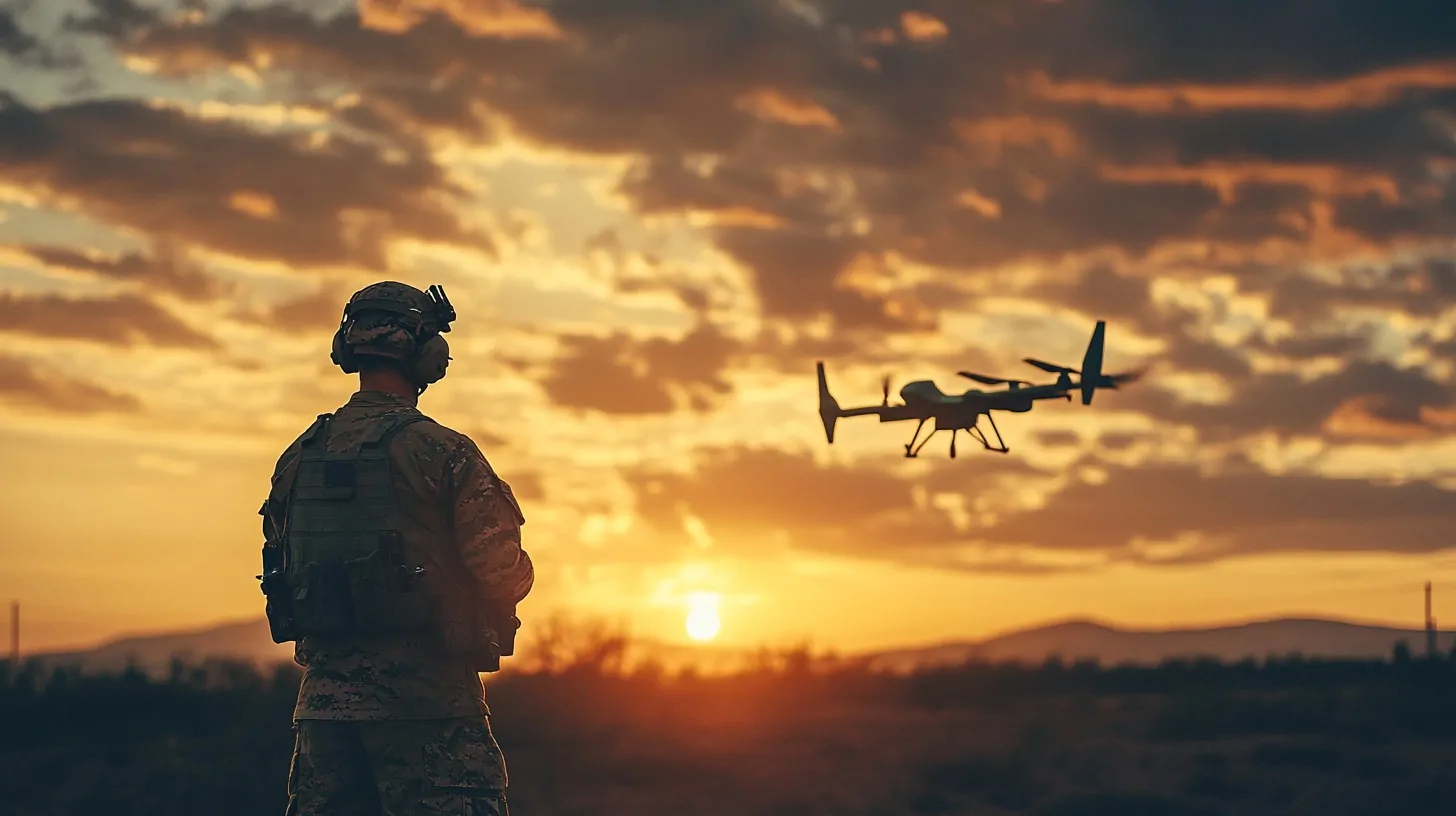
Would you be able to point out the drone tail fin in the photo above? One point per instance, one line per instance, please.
(829, 410)
(1092, 378)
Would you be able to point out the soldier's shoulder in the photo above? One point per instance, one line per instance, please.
(434, 439)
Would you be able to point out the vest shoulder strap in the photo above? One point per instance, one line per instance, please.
(384, 432)
(317, 433)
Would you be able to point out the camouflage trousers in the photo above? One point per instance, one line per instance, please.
(396, 768)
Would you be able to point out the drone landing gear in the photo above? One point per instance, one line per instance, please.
(980, 436)
(912, 450)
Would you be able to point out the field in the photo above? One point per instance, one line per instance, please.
(794, 736)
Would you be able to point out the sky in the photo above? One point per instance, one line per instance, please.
(654, 217)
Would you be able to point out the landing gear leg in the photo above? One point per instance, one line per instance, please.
(910, 449)
(952, 441)
(980, 436)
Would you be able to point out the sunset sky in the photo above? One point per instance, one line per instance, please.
(654, 216)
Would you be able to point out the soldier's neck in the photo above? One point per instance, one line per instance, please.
(389, 382)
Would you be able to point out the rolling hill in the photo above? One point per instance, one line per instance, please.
(1071, 640)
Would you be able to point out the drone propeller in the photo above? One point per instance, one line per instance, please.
(1125, 378)
(1049, 367)
(982, 378)
(885, 386)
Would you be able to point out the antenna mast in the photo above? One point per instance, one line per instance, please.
(1430, 625)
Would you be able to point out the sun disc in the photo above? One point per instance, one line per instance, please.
(702, 622)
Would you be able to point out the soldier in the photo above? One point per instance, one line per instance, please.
(393, 560)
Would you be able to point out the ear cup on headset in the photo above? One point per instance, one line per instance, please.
(431, 360)
(341, 355)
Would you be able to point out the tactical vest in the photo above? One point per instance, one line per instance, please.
(349, 568)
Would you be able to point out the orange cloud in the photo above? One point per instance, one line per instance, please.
(491, 18)
(258, 205)
(776, 106)
(998, 132)
(922, 27)
(1359, 417)
(987, 207)
(1367, 91)
(1326, 180)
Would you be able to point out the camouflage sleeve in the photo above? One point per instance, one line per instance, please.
(487, 522)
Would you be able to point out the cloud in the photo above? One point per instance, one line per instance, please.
(966, 138)
(220, 184)
(167, 269)
(618, 374)
(758, 499)
(1176, 514)
(30, 384)
(1331, 403)
(127, 319)
(1155, 513)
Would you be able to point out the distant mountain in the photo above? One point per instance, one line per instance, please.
(246, 640)
(1072, 640)
(1111, 645)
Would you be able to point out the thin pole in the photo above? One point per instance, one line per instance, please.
(15, 631)
(1430, 625)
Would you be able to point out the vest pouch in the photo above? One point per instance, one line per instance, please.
(323, 605)
(388, 598)
(465, 632)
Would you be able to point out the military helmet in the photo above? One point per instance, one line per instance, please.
(384, 319)
(396, 321)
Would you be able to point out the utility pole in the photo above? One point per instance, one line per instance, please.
(1430, 626)
(15, 632)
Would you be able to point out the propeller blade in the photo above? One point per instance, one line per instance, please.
(982, 378)
(886, 388)
(1126, 377)
(1049, 367)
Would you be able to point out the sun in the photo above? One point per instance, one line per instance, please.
(702, 623)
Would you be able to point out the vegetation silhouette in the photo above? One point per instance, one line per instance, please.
(586, 730)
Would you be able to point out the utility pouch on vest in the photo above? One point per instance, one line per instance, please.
(279, 606)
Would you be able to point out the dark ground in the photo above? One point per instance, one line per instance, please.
(1286, 737)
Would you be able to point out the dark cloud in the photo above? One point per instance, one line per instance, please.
(744, 496)
(124, 320)
(855, 136)
(1243, 511)
(226, 186)
(1402, 400)
(166, 269)
(1059, 439)
(315, 313)
(1148, 41)
(619, 374)
(748, 498)
(29, 384)
(823, 144)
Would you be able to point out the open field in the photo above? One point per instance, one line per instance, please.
(794, 737)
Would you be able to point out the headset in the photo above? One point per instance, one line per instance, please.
(429, 354)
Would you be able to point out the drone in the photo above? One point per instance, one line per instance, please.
(923, 401)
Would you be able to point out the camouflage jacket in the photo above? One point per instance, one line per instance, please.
(443, 480)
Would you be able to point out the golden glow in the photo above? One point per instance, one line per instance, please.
(702, 622)
(922, 27)
(257, 205)
(777, 106)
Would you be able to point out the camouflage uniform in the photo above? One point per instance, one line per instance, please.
(383, 725)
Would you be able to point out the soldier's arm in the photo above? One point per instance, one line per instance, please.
(487, 522)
